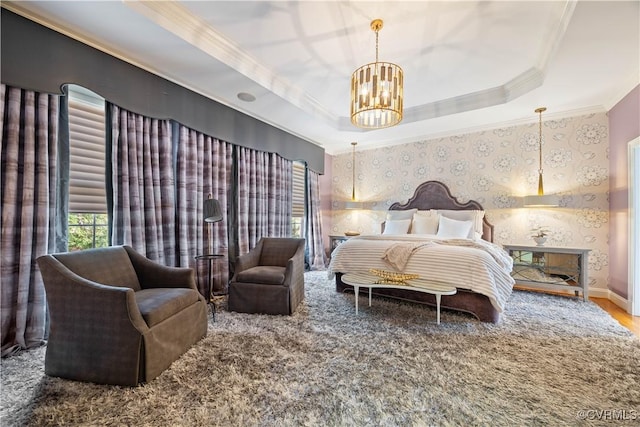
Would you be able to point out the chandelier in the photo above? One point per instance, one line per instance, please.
(377, 92)
(540, 200)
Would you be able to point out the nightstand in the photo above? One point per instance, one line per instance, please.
(551, 268)
(335, 241)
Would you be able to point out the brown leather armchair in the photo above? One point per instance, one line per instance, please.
(117, 317)
(269, 279)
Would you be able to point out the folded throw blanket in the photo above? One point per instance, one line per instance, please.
(398, 254)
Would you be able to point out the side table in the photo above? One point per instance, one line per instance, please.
(210, 258)
(551, 268)
(335, 241)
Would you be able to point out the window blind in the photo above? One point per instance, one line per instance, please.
(297, 204)
(86, 154)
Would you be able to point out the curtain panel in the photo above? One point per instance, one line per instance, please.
(29, 129)
(203, 168)
(313, 224)
(263, 196)
(142, 181)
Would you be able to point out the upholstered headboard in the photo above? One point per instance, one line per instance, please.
(436, 195)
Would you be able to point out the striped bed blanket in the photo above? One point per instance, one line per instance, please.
(476, 265)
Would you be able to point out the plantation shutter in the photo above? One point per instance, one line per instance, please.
(297, 205)
(87, 153)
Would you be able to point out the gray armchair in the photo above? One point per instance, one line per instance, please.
(117, 317)
(269, 278)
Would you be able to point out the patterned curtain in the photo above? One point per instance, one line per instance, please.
(29, 128)
(264, 197)
(313, 224)
(143, 212)
(203, 168)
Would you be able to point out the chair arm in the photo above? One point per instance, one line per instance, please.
(77, 303)
(154, 275)
(295, 268)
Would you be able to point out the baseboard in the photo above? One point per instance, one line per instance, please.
(611, 296)
(621, 302)
(599, 293)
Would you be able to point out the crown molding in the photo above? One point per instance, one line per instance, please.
(594, 109)
(177, 19)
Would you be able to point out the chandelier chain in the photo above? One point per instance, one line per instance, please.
(377, 46)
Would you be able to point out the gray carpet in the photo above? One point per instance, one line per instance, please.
(550, 358)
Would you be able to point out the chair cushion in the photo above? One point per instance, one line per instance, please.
(158, 304)
(263, 274)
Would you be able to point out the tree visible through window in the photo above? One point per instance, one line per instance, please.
(87, 230)
(88, 224)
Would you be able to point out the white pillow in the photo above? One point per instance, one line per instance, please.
(394, 215)
(475, 216)
(399, 226)
(424, 224)
(454, 229)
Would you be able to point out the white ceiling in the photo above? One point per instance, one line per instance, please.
(468, 65)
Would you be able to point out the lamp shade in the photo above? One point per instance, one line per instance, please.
(541, 201)
(212, 211)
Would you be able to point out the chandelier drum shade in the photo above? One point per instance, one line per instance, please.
(377, 92)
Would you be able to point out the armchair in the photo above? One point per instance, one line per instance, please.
(269, 278)
(117, 317)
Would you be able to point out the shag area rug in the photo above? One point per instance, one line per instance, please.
(551, 361)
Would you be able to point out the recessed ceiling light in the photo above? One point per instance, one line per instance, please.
(246, 97)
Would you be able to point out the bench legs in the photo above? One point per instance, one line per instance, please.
(356, 291)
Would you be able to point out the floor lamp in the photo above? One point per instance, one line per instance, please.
(212, 214)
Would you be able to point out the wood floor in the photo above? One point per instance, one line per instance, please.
(625, 319)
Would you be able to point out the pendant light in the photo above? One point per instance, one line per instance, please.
(540, 200)
(377, 92)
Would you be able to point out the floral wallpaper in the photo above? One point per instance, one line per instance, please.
(496, 168)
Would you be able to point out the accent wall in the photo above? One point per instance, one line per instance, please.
(497, 168)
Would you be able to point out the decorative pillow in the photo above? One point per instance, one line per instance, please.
(394, 215)
(399, 226)
(454, 229)
(424, 224)
(474, 215)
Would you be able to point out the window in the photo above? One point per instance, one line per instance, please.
(87, 222)
(298, 199)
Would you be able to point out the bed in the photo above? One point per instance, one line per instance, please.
(461, 252)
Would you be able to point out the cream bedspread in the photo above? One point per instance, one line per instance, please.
(477, 265)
